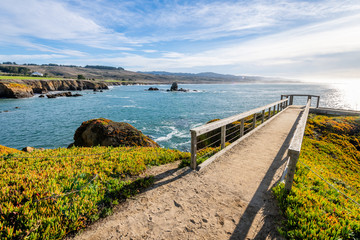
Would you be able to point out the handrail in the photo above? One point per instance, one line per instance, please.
(295, 147)
(221, 124)
(291, 97)
(214, 125)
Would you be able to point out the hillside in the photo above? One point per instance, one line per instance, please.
(112, 73)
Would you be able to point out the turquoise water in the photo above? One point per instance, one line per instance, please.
(164, 116)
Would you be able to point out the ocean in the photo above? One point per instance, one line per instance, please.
(165, 116)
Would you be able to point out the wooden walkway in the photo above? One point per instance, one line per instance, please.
(230, 199)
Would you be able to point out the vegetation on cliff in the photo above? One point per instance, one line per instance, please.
(314, 209)
(49, 194)
(7, 150)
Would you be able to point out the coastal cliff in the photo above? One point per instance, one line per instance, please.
(27, 88)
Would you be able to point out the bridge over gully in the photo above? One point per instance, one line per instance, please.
(227, 196)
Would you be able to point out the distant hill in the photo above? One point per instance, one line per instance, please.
(203, 74)
(99, 72)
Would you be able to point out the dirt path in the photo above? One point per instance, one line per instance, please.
(230, 199)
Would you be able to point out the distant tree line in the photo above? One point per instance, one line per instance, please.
(104, 67)
(17, 70)
(59, 65)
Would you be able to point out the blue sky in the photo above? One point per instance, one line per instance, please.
(292, 39)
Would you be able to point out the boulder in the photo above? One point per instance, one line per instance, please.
(28, 149)
(105, 132)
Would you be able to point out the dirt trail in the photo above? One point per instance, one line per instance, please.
(230, 199)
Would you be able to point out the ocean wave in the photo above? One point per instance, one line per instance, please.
(131, 106)
(168, 136)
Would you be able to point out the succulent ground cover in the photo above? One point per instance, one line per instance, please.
(316, 208)
(49, 194)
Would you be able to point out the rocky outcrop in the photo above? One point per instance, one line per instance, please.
(43, 86)
(174, 87)
(105, 132)
(15, 90)
(63, 94)
(27, 88)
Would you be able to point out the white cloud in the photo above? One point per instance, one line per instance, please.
(32, 57)
(277, 37)
(53, 21)
(316, 48)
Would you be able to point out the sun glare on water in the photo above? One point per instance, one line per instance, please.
(349, 93)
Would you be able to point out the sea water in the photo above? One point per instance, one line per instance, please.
(165, 116)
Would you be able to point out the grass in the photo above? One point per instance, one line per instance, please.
(49, 194)
(29, 78)
(313, 209)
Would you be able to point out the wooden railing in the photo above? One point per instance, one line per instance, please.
(295, 148)
(232, 127)
(291, 98)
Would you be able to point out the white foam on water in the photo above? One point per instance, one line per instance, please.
(131, 106)
(169, 136)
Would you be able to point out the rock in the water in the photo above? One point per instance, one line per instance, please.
(63, 94)
(183, 90)
(174, 86)
(105, 132)
(41, 96)
(28, 149)
(153, 89)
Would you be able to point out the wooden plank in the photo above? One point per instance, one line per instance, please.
(296, 141)
(214, 125)
(294, 156)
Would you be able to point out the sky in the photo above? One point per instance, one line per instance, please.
(289, 39)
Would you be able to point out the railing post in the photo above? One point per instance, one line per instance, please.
(223, 136)
(294, 156)
(291, 100)
(242, 127)
(278, 107)
(193, 150)
(254, 121)
(263, 116)
(274, 110)
(269, 113)
(318, 101)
